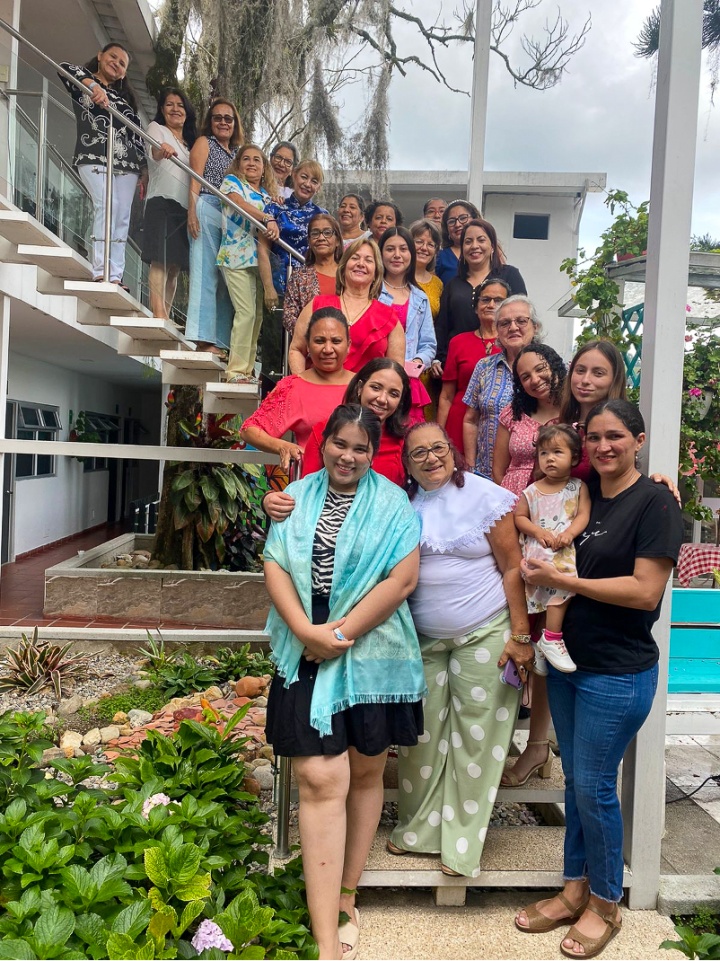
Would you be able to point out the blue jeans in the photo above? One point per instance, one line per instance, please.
(596, 716)
(210, 310)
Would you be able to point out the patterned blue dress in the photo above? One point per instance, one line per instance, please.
(292, 219)
(489, 390)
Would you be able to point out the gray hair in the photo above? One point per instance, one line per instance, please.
(521, 299)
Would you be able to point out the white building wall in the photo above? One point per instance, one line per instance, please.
(539, 260)
(47, 509)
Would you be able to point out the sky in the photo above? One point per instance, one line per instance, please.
(598, 119)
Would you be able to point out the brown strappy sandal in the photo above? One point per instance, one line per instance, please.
(539, 923)
(594, 946)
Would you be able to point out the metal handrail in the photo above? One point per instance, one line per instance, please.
(125, 122)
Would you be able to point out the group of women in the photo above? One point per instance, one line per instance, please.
(403, 606)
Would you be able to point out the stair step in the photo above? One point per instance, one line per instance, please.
(141, 337)
(61, 262)
(20, 228)
(190, 367)
(219, 398)
(6, 204)
(105, 296)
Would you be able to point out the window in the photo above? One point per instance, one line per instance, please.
(107, 429)
(36, 422)
(531, 226)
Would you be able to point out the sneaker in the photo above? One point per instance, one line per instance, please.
(556, 653)
(540, 664)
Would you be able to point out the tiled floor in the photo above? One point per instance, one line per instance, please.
(22, 586)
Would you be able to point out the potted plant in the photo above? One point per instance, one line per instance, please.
(82, 433)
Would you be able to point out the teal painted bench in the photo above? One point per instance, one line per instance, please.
(694, 641)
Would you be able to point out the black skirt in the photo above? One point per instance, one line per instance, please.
(165, 239)
(369, 728)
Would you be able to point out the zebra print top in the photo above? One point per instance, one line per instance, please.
(332, 516)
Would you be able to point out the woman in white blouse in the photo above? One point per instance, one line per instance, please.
(471, 617)
(165, 239)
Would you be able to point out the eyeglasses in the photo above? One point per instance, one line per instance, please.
(425, 245)
(520, 322)
(421, 454)
(282, 161)
(491, 300)
(222, 117)
(316, 233)
(462, 219)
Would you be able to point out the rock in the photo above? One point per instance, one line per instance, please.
(120, 718)
(123, 557)
(140, 563)
(261, 762)
(70, 740)
(261, 701)
(171, 567)
(264, 777)
(251, 786)
(154, 565)
(126, 730)
(143, 685)
(267, 752)
(121, 562)
(51, 754)
(250, 686)
(213, 694)
(109, 733)
(176, 704)
(196, 699)
(70, 705)
(92, 738)
(142, 553)
(187, 714)
(137, 717)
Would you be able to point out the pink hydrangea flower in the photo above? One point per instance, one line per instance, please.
(695, 392)
(153, 802)
(210, 935)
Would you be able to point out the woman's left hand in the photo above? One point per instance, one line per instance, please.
(538, 573)
(522, 654)
(272, 231)
(167, 151)
(669, 483)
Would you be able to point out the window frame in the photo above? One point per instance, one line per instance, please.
(52, 425)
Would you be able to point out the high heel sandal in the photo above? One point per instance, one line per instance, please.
(539, 923)
(543, 769)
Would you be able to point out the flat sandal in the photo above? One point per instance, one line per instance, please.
(592, 947)
(539, 923)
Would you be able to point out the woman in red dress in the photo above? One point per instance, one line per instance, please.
(374, 327)
(464, 352)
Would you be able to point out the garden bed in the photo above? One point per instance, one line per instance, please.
(82, 587)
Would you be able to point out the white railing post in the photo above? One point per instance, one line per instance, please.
(108, 198)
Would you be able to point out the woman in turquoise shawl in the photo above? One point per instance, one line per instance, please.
(349, 679)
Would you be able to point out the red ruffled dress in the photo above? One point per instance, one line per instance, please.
(387, 461)
(464, 352)
(368, 335)
(296, 405)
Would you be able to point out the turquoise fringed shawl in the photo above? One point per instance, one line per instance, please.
(381, 529)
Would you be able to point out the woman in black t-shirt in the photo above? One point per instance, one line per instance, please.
(624, 558)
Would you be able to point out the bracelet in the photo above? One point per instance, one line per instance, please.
(520, 638)
(92, 85)
(270, 220)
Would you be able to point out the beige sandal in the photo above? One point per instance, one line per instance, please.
(539, 923)
(544, 769)
(594, 946)
(349, 933)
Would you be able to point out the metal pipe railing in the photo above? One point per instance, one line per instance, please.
(124, 121)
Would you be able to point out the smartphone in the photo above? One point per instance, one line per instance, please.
(509, 675)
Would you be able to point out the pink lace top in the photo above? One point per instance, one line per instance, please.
(296, 405)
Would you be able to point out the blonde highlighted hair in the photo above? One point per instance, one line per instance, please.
(268, 176)
(350, 250)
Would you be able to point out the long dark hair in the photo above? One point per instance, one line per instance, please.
(497, 258)
(466, 205)
(523, 403)
(122, 87)
(364, 418)
(405, 235)
(570, 407)
(458, 475)
(189, 130)
(396, 424)
(238, 134)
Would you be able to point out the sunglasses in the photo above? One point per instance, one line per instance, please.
(220, 117)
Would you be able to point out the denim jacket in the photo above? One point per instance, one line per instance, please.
(419, 330)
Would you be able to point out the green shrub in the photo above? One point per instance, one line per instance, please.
(232, 663)
(130, 873)
(134, 698)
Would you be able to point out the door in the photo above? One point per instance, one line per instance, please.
(8, 506)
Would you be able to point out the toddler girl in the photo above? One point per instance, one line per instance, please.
(549, 515)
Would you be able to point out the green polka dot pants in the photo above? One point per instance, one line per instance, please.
(449, 781)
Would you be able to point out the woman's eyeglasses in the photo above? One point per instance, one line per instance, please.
(222, 118)
(462, 220)
(425, 245)
(421, 454)
(491, 300)
(326, 232)
(520, 322)
(282, 161)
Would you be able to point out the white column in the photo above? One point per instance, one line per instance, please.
(483, 21)
(4, 356)
(671, 192)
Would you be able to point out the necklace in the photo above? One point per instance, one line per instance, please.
(395, 286)
(352, 320)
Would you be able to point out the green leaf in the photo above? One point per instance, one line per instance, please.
(156, 866)
(53, 928)
(244, 919)
(196, 889)
(133, 919)
(91, 929)
(79, 886)
(121, 947)
(162, 922)
(16, 949)
(254, 952)
(192, 910)
(183, 863)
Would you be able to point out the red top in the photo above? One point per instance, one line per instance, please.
(296, 405)
(326, 284)
(368, 335)
(464, 352)
(387, 461)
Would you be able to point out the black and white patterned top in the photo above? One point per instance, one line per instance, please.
(335, 510)
(217, 163)
(92, 127)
